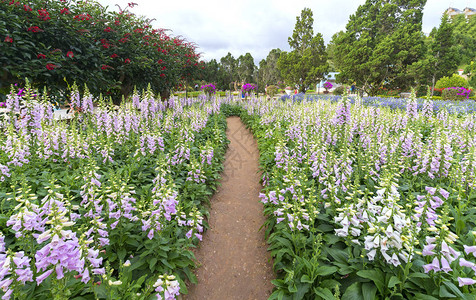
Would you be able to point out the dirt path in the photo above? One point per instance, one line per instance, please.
(233, 257)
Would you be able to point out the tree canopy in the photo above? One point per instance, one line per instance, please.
(307, 63)
(382, 39)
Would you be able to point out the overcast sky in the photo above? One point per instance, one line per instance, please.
(257, 26)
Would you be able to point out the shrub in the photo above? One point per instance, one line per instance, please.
(472, 82)
(339, 90)
(453, 81)
(456, 93)
(310, 91)
(271, 90)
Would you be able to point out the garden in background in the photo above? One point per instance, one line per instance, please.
(365, 197)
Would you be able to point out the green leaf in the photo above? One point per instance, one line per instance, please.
(302, 289)
(393, 281)
(444, 292)
(453, 288)
(353, 292)
(376, 276)
(306, 278)
(420, 296)
(325, 270)
(121, 253)
(369, 290)
(152, 263)
(325, 294)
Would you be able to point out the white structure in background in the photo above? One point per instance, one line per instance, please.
(468, 12)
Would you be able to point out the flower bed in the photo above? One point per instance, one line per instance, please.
(367, 202)
(108, 205)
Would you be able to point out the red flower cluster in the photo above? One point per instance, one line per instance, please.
(51, 66)
(160, 61)
(70, 54)
(43, 14)
(41, 56)
(105, 67)
(162, 75)
(139, 30)
(114, 55)
(27, 7)
(127, 61)
(8, 39)
(82, 17)
(108, 29)
(65, 11)
(35, 29)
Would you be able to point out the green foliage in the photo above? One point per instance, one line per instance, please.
(453, 81)
(307, 63)
(441, 58)
(110, 51)
(381, 40)
(339, 90)
(271, 90)
(268, 69)
(465, 37)
(246, 68)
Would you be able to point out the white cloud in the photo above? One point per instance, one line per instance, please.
(219, 27)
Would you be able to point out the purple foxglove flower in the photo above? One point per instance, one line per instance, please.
(445, 266)
(189, 233)
(430, 190)
(465, 281)
(470, 249)
(444, 193)
(464, 263)
(428, 250)
(434, 265)
(43, 276)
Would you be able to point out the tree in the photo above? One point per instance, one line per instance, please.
(441, 55)
(246, 68)
(382, 39)
(307, 63)
(269, 72)
(229, 65)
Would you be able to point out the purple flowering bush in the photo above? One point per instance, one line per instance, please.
(107, 205)
(248, 87)
(362, 198)
(328, 85)
(209, 89)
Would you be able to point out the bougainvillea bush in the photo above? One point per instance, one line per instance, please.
(108, 204)
(55, 43)
(367, 202)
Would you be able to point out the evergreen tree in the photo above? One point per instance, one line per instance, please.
(307, 63)
(246, 68)
(268, 68)
(382, 39)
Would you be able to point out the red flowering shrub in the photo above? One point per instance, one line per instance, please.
(94, 37)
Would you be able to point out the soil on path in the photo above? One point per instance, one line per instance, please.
(234, 262)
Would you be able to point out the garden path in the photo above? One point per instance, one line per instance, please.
(233, 257)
